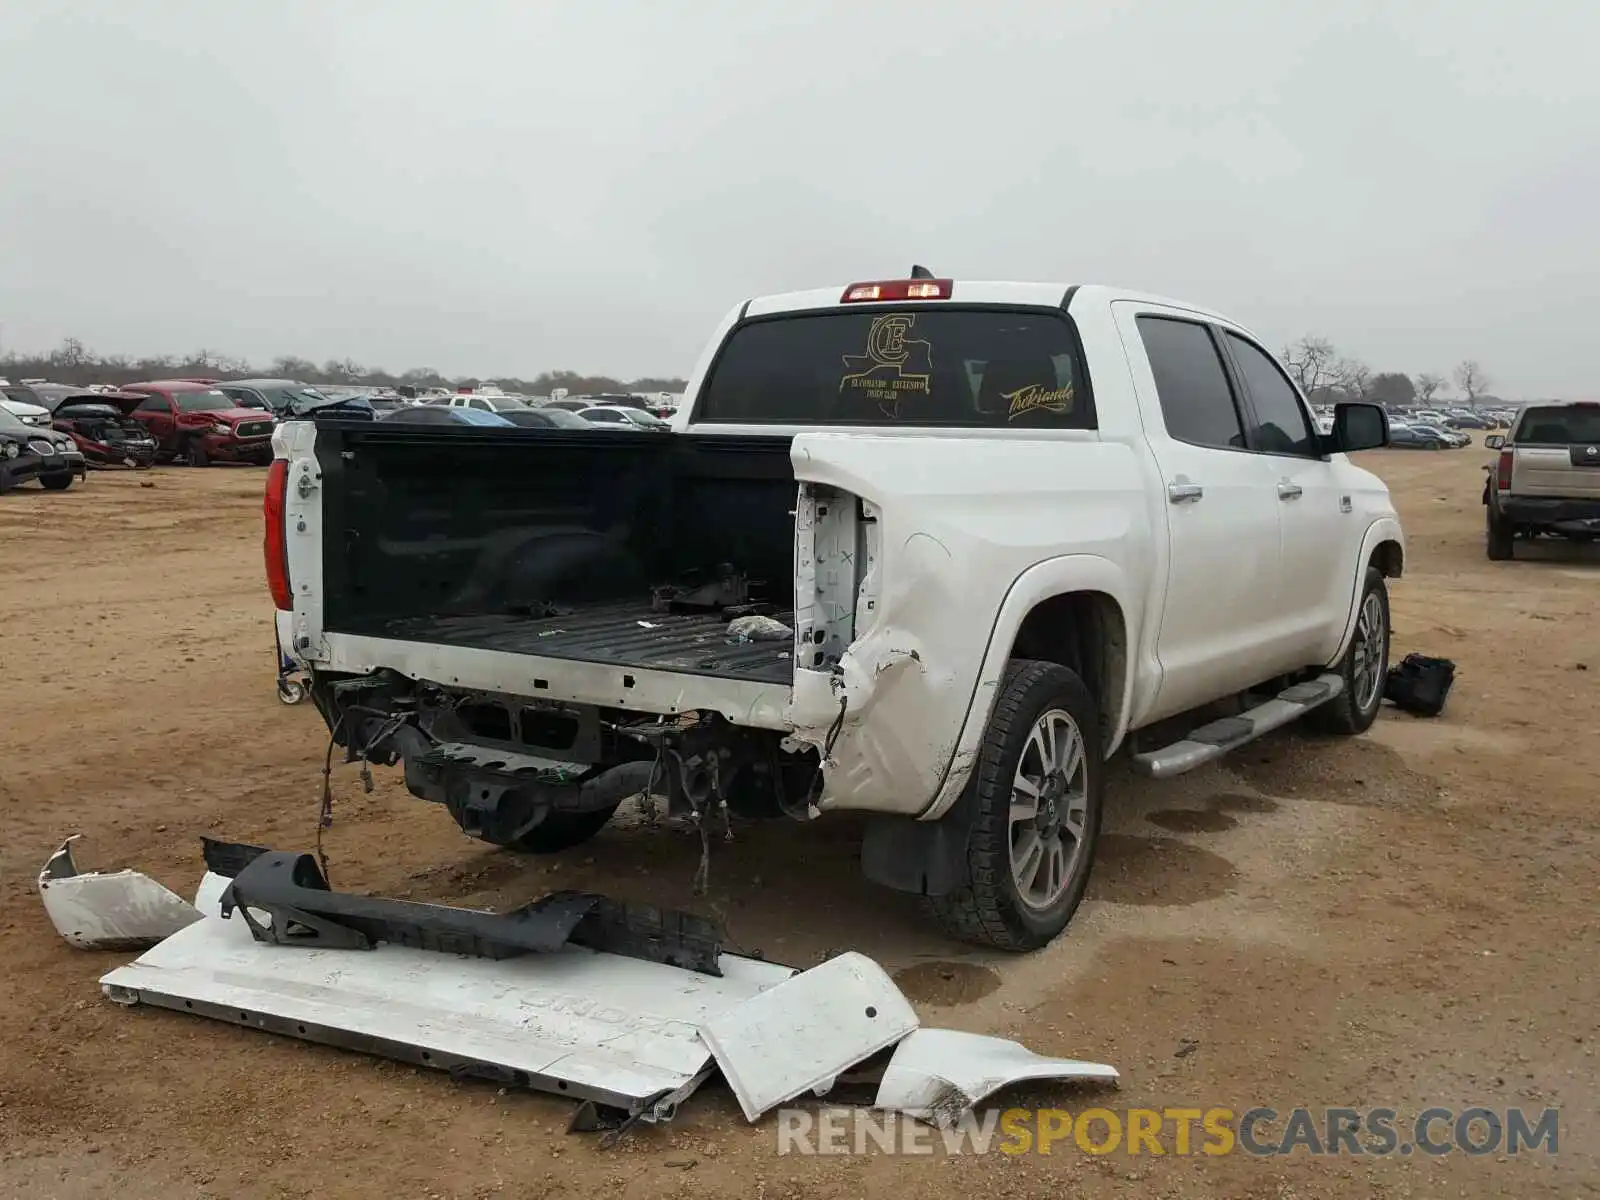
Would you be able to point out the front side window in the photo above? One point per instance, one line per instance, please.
(983, 368)
(155, 404)
(1281, 426)
(1192, 386)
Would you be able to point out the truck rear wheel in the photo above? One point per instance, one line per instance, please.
(1037, 785)
(1500, 538)
(561, 831)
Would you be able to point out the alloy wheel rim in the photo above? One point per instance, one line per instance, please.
(1049, 809)
(1369, 654)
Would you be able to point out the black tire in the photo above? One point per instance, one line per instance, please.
(1352, 712)
(1500, 538)
(561, 831)
(57, 483)
(195, 453)
(991, 910)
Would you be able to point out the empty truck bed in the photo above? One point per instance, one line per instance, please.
(620, 635)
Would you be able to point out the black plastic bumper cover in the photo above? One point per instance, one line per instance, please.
(304, 911)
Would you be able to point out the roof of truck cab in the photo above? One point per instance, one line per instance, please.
(974, 291)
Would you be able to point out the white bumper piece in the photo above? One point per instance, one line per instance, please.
(115, 910)
(936, 1075)
(631, 1034)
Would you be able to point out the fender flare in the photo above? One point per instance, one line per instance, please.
(1384, 529)
(1052, 577)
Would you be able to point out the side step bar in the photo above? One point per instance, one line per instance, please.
(1211, 742)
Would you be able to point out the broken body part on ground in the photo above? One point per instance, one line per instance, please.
(630, 1009)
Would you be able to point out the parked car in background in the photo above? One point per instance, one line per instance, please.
(1453, 438)
(101, 426)
(201, 424)
(616, 414)
(444, 414)
(29, 452)
(569, 404)
(22, 402)
(282, 397)
(495, 402)
(1404, 436)
(1546, 478)
(548, 418)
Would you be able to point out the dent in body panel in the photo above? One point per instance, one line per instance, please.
(961, 524)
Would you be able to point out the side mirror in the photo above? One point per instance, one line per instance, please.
(1358, 426)
(1494, 441)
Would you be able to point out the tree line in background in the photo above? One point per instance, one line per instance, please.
(73, 363)
(1326, 377)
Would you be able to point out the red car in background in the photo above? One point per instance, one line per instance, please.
(198, 423)
(100, 425)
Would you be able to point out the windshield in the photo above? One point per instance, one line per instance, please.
(969, 367)
(212, 401)
(1559, 427)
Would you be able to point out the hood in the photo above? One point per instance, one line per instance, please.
(22, 408)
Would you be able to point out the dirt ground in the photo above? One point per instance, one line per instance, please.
(1405, 919)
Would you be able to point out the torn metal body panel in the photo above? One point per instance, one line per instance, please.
(114, 910)
(618, 1031)
(799, 1036)
(945, 530)
(936, 1075)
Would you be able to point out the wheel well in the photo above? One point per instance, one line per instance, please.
(1083, 631)
(1389, 559)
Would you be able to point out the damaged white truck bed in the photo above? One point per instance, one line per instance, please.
(1002, 530)
(633, 1035)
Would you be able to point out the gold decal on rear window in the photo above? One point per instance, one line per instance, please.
(1035, 398)
(894, 368)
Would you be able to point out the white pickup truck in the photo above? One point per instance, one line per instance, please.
(998, 530)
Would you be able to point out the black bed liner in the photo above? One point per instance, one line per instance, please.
(623, 635)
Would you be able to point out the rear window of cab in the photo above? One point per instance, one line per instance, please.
(963, 367)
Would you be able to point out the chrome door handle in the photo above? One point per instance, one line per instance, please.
(1288, 490)
(1184, 493)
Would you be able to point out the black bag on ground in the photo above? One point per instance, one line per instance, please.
(1420, 684)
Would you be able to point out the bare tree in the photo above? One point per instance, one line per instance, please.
(1427, 384)
(1311, 362)
(1352, 377)
(1472, 380)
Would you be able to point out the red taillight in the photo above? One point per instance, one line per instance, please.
(276, 543)
(897, 289)
(1502, 471)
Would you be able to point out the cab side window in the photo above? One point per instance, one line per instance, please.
(1197, 401)
(1281, 426)
(154, 404)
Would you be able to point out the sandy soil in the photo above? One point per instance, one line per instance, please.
(1403, 919)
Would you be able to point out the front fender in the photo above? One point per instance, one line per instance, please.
(1384, 529)
(1053, 577)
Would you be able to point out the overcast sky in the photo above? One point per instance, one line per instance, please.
(505, 187)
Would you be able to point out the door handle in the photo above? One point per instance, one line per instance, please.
(1184, 493)
(1288, 490)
